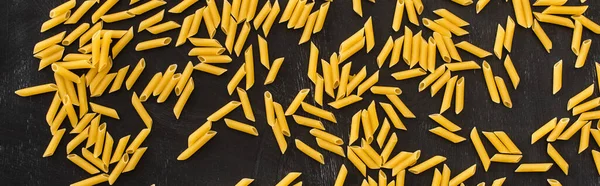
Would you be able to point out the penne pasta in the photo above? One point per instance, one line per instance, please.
(382, 135)
(368, 83)
(440, 82)
(352, 84)
(481, 152)
(448, 94)
(384, 90)
(151, 44)
(460, 95)
(491, 84)
(503, 91)
(118, 81)
(242, 127)
(103, 9)
(239, 44)
(246, 106)
(81, 10)
(86, 166)
(509, 33)
(534, 167)
(280, 120)
(354, 129)
(473, 49)
(36, 90)
(549, 2)
(565, 10)
(584, 139)
(118, 16)
(196, 145)
(579, 97)
(139, 108)
(558, 159)
(411, 12)
(315, 111)
(223, 111)
(269, 110)
(557, 77)
(205, 67)
(235, 80)
(463, 176)
(395, 56)
(583, 53)
(587, 23)
(274, 70)
(427, 164)
(542, 131)
(389, 146)
(266, 26)
(506, 158)
(314, 154)
(552, 19)
(244, 182)
(447, 135)
(539, 32)
(296, 102)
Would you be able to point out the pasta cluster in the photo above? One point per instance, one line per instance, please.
(98, 47)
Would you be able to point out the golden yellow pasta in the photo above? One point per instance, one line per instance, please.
(542, 131)
(534, 167)
(427, 164)
(454, 29)
(583, 53)
(503, 91)
(266, 26)
(506, 158)
(151, 44)
(447, 135)
(579, 97)
(463, 176)
(242, 127)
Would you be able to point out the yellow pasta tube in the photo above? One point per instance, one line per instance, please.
(385, 128)
(108, 146)
(411, 160)
(185, 76)
(358, 151)
(397, 159)
(354, 129)
(343, 102)
(542, 131)
(143, 8)
(100, 136)
(214, 12)
(549, 2)
(139, 108)
(481, 152)
(96, 161)
(319, 86)
(103, 84)
(182, 6)
(448, 94)
(77, 14)
(489, 80)
(118, 81)
(341, 176)
(135, 74)
(451, 17)
(583, 53)
(447, 135)
(196, 145)
(246, 106)
(440, 43)
(407, 74)
(411, 12)
(118, 47)
(400, 106)
(287, 12)
(503, 91)
(596, 157)
(239, 44)
(560, 126)
(436, 28)
(205, 67)
(269, 110)
(198, 133)
(427, 164)
(280, 120)
(589, 24)
(308, 28)
(277, 132)
(415, 47)
(83, 123)
(512, 148)
(584, 107)
(75, 34)
(454, 29)
(326, 136)
(506, 158)
(576, 39)
(320, 20)
(579, 97)
(356, 80)
(151, 44)
(89, 34)
(263, 48)
(357, 7)
(557, 20)
(366, 125)
(151, 21)
(534, 167)
(147, 92)
(385, 51)
(391, 113)
(51, 23)
(395, 56)
(558, 159)
(77, 160)
(226, 109)
(296, 102)
(103, 110)
(318, 112)
(384, 90)
(584, 139)
(184, 31)
(206, 51)
(135, 158)
(185, 95)
(464, 65)
(344, 55)
(313, 62)
(119, 150)
(266, 26)
(35, 90)
(242, 127)
(288, 179)
(398, 14)
(368, 83)
(301, 21)
(116, 172)
(440, 82)
(557, 77)
(389, 146)
(369, 35)
(51, 50)
(512, 72)
(460, 95)
(539, 32)
(553, 182)
(118, 16)
(431, 54)
(565, 10)
(56, 137)
(438, 118)
(463, 176)
(77, 140)
(499, 42)
(94, 180)
(249, 61)
(67, 74)
(407, 48)
(105, 7)
(314, 154)
(495, 142)
(262, 14)
(450, 46)
(244, 182)
(473, 49)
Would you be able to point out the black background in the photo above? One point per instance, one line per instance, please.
(232, 155)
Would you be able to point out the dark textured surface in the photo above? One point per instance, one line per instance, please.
(231, 155)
